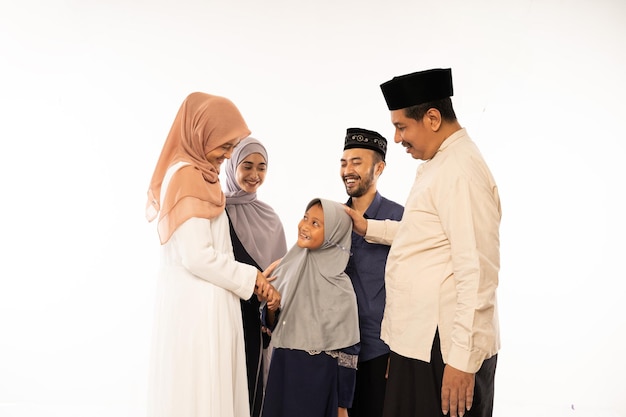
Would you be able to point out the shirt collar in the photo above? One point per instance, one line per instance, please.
(453, 138)
(371, 211)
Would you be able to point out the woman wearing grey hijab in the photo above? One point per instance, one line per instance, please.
(315, 333)
(258, 239)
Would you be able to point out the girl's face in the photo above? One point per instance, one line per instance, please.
(311, 228)
(217, 155)
(251, 172)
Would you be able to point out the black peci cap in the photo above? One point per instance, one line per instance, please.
(417, 88)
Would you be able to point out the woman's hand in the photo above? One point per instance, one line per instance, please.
(268, 271)
(274, 303)
(266, 292)
(273, 299)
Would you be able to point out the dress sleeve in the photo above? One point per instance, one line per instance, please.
(195, 242)
(346, 378)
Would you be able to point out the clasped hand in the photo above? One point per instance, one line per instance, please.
(264, 290)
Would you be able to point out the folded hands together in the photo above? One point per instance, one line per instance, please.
(265, 291)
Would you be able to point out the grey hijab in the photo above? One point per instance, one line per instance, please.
(257, 225)
(319, 310)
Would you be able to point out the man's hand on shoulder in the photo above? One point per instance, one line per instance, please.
(359, 223)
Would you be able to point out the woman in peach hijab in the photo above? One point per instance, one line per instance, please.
(198, 362)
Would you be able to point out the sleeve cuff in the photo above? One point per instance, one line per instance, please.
(375, 231)
(466, 361)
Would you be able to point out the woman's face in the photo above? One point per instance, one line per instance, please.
(311, 228)
(251, 172)
(217, 155)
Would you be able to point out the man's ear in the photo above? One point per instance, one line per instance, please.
(433, 117)
(380, 167)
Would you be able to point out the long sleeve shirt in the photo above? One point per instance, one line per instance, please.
(443, 265)
(366, 269)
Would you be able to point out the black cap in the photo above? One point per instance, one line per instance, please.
(417, 88)
(367, 139)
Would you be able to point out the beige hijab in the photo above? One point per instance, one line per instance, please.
(204, 122)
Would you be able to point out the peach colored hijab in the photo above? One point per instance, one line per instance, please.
(204, 122)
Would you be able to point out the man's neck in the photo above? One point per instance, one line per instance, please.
(361, 204)
(445, 131)
(448, 129)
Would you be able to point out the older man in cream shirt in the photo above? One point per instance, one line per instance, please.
(440, 319)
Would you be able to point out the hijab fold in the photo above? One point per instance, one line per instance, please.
(319, 310)
(203, 123)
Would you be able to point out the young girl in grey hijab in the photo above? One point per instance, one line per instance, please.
(315, 333)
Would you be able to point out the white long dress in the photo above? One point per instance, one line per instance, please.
(198, 361)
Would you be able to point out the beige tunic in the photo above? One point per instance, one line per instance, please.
(442, 269)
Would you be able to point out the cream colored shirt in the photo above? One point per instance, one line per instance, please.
(442, 269)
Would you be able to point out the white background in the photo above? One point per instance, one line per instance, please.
(88, 92)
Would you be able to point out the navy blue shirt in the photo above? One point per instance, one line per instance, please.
(366, 269)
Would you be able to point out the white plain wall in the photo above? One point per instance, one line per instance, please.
(89, 89)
